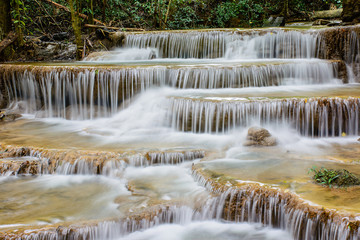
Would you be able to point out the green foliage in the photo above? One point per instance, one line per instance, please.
(151, 14)
(314, 5)
(224, 12)
(248, 12)
(331, 177)
(18, 13)
(184, 18)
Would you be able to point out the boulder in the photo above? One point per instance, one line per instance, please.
(8, 117)
(274, 22)
(259, 137)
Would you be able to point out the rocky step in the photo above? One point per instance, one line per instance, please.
(273, 92)
(36, 161)
(89, 91)
(220, 43)
(272, 207)
(341, 43)
(313, 117)
(103, 229)
(328, 43)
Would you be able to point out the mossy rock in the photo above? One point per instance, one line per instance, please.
(332, 177)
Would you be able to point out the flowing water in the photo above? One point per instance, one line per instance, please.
(121, 143)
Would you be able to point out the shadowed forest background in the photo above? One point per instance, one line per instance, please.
(61, 20)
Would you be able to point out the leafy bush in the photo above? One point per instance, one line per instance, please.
(331, 177)
(184, 18)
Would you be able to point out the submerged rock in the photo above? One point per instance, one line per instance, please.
(8, 117)
(259, 137)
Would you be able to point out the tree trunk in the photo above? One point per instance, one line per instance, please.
(18, 26)
(77, 30)
(285, 9)
(351, 11)
(167, 12)
(77, 13)
(5, 28)
(104, 11)
(5, 19)
(91, 16)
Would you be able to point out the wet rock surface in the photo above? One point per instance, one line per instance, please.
(274, 207)
(67, 161)
(321, 22)
(259, 137)
(8, 116)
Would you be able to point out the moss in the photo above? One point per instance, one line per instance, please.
(331, 177)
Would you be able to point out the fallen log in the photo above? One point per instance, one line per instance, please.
(68, 10)
(10, 38)
(328, 14)
(113, 28)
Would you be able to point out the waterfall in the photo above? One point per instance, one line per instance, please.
(80, 94)
(311, 117)
(276, 44)
(218, 44)
(151, 117)
(179, 45)
(277, 209)
(29, 161)
(87, 93)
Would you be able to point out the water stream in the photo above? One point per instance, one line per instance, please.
(126, 144)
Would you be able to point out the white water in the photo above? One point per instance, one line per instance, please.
(209, 230)
(168, 183)
(130, 54)
(274, 44)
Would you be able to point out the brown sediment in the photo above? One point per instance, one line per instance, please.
(343, 43)
(341, 70)
(337, 42)
(252, 202)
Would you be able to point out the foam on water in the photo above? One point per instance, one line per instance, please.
(166, 183)
(209, 230)
(123, 54)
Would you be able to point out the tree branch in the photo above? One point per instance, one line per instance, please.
(68, 10)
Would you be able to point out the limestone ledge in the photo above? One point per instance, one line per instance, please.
(256, 202)
(31, 160)
(102, 229)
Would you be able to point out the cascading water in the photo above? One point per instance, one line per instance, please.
(271, 44)
(167, 102)
(90, 93)
(311, 117)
